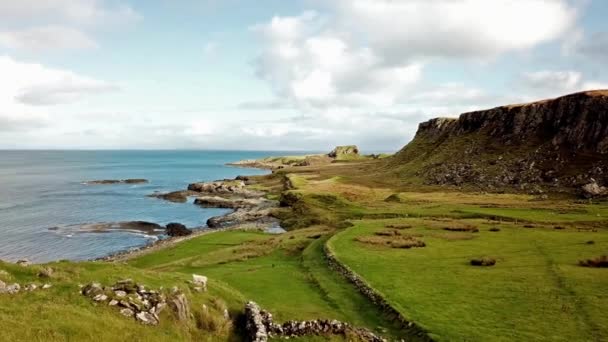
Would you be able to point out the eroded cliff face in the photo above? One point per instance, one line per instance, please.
(561, 142)
(578, 122)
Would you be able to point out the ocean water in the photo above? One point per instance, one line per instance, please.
(45, 189)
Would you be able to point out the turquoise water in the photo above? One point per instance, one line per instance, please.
(44, 189)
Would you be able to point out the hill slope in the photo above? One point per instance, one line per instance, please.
(558, 144)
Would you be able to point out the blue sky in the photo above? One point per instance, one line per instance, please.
(275, 74)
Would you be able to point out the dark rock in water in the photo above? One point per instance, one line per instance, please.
(140, 225)
(175, 196)
(117, 181)
(135, 181)
(177, 229)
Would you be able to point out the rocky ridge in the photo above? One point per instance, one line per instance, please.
(552, 145)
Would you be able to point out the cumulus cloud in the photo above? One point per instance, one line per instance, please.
(375, 52)
(25, 86)
(46, 38)
(558, 82)
(58, 24)
(81, 12)
(448, 28)
(315, 68)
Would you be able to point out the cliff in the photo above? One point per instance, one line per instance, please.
(558, 143)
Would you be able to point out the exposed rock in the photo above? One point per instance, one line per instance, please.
(226, 187)
(178, 303)
(46, 286)
(228, 203)
(175, 196)
(100, 298)
(551, 145)
(259, 326)
(9, 289)
(241, 216)
(146, 318)
(45, 272)
(593, 190)
(92, 290)
(24, 262)
(177, 229)
(134, 299)
(254, 323)
(117, 181)
(342, 151)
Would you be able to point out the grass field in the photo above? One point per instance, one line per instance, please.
(535, 291)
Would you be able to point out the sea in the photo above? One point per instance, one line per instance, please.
(44, 198)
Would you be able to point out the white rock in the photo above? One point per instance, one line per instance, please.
(31, 287)
(120, 294)
(146, 318)
(200, 281)
(100, 298)
(12, 289)
(127, 312)
(46, 286)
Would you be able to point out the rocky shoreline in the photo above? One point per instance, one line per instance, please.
(251, 210)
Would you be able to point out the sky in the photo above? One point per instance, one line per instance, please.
(280, 75)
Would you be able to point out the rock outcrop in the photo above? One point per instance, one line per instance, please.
(344, 151)
(117, 181)
(542, 146)
(177, 229)
(137, 302)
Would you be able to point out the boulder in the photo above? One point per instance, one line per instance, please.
(92, 290)
(146, 318)
(45, 272)
(24, 262)
(593, 190)
(178, 303)
(177, 229)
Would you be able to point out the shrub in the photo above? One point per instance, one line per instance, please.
(483, 262)
(394, 198)
(599, 262)
(388, 233)
(399, 226)
(214, 323)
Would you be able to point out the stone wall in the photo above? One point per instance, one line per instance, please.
(260, 326)
(411, 329)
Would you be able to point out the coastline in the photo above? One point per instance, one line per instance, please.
(124, 255)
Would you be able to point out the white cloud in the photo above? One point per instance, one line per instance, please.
(374, 52)
(25, 86)
(315, 68)
(81, 12)
(448, 28)
(46, 38)
(58, 24)
(550, 83)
